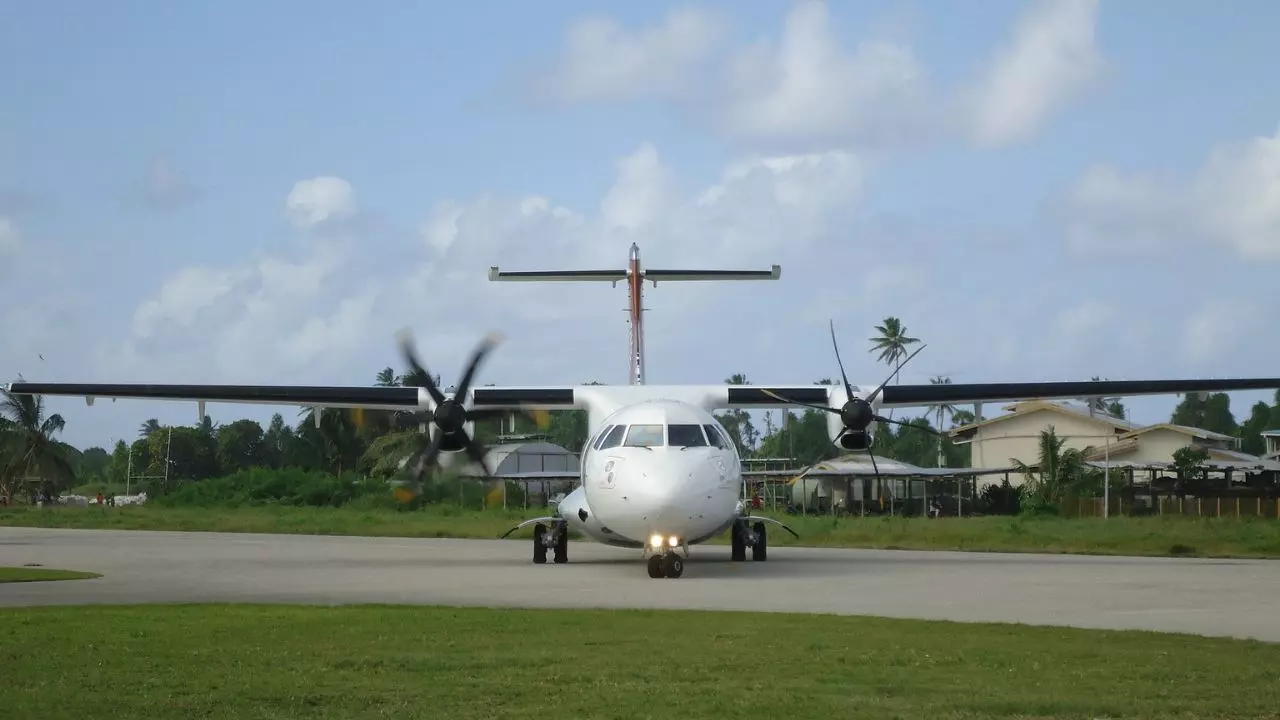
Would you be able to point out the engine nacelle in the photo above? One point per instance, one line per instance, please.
(454, 441)
(854, 441)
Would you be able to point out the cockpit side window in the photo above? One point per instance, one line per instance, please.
(685, 436)
(613, 438)
(713, 434)
(645, 436)
(600, 438)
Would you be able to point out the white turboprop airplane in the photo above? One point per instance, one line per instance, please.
(658, 473)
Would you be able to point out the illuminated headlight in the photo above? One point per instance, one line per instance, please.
(673, 541)
(656, 541)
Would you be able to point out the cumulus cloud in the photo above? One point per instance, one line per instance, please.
(1052, 59)
(603, 62)
(807, 86)
(810, 89)
(320, 200)
(1232, 202)
(315, 314)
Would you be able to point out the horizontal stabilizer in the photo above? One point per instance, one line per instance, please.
(556, 275)
(677, 275)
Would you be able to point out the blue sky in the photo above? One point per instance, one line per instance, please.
(266, 192)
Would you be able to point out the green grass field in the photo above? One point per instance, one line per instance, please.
(38, 574)
(1184, 536)
(406, 662)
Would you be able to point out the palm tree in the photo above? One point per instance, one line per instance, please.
(148, 427)
(1058, 474)
(940, 410)
(892, 344)
(28, 448)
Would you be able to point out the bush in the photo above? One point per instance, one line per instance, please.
(262, 486)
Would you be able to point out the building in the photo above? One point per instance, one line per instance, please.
(1272, 439)
(996, 442)
(1107, 440)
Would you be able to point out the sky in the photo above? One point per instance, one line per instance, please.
(267, 192)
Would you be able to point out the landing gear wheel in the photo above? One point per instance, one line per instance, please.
(562, 545)
(655, 566)
(539, 547)
(760, 550)
(738, 553)
(672, 566)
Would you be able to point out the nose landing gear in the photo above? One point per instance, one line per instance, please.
(668, 565)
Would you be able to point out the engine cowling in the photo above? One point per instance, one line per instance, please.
(847, 439)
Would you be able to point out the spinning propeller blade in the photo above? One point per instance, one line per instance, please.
(857, 413)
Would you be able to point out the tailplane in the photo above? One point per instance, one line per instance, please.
(635, 275)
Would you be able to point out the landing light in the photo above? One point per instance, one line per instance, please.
(673, 541)
(656, 541)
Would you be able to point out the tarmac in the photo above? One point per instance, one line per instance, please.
(1232, 598)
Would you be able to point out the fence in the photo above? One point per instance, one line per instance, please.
(1232, 507)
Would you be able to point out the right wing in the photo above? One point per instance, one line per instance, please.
(318, 396)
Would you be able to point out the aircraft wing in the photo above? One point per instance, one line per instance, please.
(321, 396)
(955, 394)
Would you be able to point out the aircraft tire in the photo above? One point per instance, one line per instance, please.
(539, 549)
(760, 551)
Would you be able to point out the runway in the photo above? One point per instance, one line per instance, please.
(1209, 597)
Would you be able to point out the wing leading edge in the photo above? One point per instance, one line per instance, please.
(322, 396)
(766, 396)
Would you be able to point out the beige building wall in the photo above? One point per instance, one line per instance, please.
(1018, 436)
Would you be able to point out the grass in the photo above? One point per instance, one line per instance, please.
(244, 661)
(37, 574)
(1152, 536)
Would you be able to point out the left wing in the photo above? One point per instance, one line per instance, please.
(896, 396)
(921, 395)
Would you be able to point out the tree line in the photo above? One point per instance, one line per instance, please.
(372, 443)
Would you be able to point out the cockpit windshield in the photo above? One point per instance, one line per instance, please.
(685, 436)
(644, 436)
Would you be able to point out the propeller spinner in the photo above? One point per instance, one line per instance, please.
(857, 413)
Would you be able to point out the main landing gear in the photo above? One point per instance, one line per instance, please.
(548, 533)
(745, 533)
(555, 537)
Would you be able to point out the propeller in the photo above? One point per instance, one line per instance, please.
(857, 413)
(450, 416)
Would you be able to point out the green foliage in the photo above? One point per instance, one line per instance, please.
(1058, 474)
(275, 487)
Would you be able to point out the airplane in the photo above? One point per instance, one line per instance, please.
(659, 473)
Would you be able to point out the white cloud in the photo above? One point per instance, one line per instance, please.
(807, 87)
(1052, 59)
(1233, 201)
(276, 318)
(1237, 196)
(640, 194)
(320, 200)
(10, 239)
(603, 62)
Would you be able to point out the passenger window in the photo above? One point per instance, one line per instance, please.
(685, 436)
(644, 436)
(713, 434)
(600, 438)
(613, 438)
